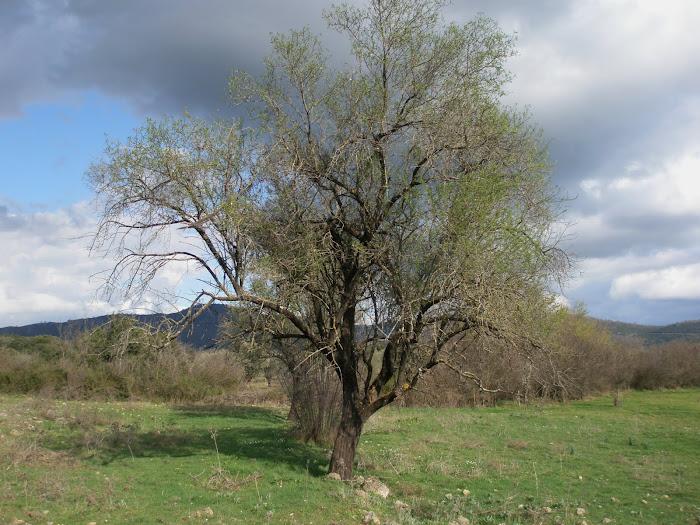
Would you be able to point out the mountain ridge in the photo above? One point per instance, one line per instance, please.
(204, 331)
(649, 335)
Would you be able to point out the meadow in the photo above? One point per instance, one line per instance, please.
(73, 462)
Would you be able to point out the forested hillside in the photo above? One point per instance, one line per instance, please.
(202, 334)
(646, 335)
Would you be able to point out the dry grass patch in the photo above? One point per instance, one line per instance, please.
(620, 460)
(518, 444)
(472, 444)
(503, 468)
(33, 455)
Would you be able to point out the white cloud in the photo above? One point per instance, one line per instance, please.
(671, 188)
(47, 273)
(601, 45)
(606, 269)
(45, 270)
(675, 282)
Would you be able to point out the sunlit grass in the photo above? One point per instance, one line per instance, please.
(73, 462)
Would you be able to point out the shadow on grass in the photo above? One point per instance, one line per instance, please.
(247, 433)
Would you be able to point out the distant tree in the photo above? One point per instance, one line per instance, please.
(383, 211)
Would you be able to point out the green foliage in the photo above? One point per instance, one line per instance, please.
(45, 346)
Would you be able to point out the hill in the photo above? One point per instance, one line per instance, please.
(649, 335)
(205, 330)
(202, 334)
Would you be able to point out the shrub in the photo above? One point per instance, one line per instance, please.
(123, 361)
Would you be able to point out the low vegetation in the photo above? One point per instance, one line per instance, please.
(119, 360)
(137, 462)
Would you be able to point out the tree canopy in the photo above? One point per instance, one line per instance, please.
(375, 214)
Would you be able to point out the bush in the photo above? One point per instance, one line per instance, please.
(27, 373)
(122, 361)
(315, 396)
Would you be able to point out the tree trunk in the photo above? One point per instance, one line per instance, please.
(346, 442)
(295, 395)
(351, 420)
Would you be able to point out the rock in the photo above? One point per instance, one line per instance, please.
(607, 520)
(466, 492)
(371, 517)
(614, 500)
(334, 476)
(462, 520)
(580, 511)
(375, 486)
(400, 505)
(361, 494)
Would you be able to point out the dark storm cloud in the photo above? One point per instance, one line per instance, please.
(158, 55)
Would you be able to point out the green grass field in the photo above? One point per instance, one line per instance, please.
(80, 463)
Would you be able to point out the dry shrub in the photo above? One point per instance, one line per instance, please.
(218, 369)
(315, 395)
(671, 365)
(89, 368)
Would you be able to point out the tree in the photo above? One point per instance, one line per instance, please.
(382, 211)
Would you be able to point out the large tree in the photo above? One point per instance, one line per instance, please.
(376, 214)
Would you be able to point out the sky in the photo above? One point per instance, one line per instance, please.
(615, 84)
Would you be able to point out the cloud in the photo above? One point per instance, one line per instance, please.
(675, 282)
(613, 83)
(160, 56)
(47, 273)
(648, 207)
(603, 77)
(658, 287)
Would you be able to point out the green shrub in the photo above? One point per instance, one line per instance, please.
(27, 373)
(121, 361)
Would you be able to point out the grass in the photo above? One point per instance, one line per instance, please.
(73, 463)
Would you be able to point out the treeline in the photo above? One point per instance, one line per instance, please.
(580, 359)
(122, 359)
(125, 359)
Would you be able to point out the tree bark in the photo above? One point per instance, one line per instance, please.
(295, 395)
(346, 442)
(351, 420)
